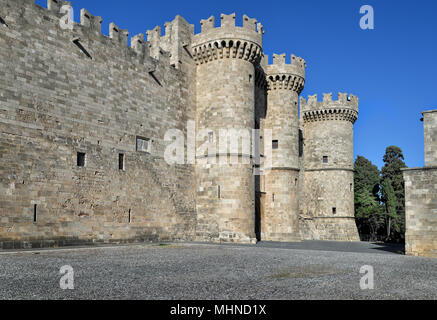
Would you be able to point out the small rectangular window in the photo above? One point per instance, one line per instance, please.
(325, 159)
(129, 218)
(275, 144)
(34, 213)
(334, 210)
(143, 144)
(121, 161)
(81, 159)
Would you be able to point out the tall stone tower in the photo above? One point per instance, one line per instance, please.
(285, 82)
(226, 58)
(328, 165)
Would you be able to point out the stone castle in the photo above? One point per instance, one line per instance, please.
(83, 119)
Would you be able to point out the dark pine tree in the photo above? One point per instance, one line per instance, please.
(368, 210)
(393, 193)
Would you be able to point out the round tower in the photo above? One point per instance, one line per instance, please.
(226, 58)
(285, 81)
(329, 166)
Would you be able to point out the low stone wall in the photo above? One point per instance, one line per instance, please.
(421, 211)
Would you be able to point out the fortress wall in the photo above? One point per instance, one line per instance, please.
(325, 190)
(333, 139)
(56, 101)
(280, 219)
(421, 211)
(64, 93)
(421, 197)
(430, 133)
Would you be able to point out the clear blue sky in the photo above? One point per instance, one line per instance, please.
(392, 69)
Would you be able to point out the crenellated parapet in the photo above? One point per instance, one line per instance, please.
(168, 48)
(228, 41)
(344, 108)
(286, 76)
(175, 41)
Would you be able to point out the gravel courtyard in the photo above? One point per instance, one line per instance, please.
(307, 270)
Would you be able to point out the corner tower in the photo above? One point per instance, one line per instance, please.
(328, 165)
(285, 81)
(226, 58)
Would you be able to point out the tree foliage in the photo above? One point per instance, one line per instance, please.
(367, 199)
(379, 196)
(393, 191)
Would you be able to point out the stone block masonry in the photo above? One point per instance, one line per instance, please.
(56, 102)
(83, 119)
(421, 197)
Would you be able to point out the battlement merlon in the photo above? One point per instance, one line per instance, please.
(297, 66)
(344, 108)
(250, 31)
(89, 21)
(176, 40)
(56, 5)
(118, 35)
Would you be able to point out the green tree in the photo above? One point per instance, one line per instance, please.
(393, 192)
(368, 211)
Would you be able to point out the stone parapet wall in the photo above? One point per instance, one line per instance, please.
(65, 92)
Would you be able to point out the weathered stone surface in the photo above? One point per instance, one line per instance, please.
(54, 102)
(430, 128)
(65, 92)
(327, 207)
(421, 197)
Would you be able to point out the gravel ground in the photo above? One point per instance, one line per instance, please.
(311, 270)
